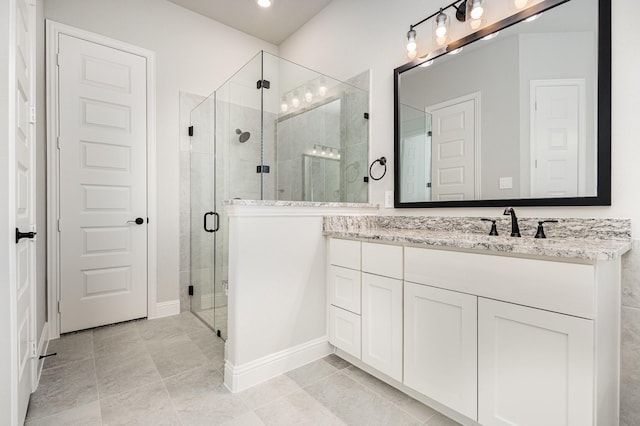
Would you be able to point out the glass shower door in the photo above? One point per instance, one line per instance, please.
(203, 215)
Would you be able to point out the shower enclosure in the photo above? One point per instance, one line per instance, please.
(274, 131)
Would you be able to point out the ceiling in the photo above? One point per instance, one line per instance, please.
(272, 24)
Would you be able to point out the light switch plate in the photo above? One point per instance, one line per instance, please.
(388, 199)
(506, 182)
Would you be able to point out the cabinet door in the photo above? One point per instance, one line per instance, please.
(535, 367)
(345, 330)
(344, 288)
(382, 324)
(440, 346)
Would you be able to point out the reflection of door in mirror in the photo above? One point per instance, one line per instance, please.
(558, 138)
(454, 148)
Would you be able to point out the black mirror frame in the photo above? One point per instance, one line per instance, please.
(603, 197)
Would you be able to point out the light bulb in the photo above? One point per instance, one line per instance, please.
(322, 90)
(476, 9)
(519, 4)
(295, 102)
(532, 18)
(455, 51)
(284, 107)
(426, 64)
(411, 41)
(308, 96)
(264, 3)
(441, 24)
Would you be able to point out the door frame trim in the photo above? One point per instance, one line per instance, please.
(53, 30)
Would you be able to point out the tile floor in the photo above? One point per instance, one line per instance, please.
(169, 372)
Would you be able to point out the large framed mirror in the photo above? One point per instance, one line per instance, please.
(522, 118)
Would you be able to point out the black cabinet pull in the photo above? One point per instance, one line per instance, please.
(21, 235)
(217, 216)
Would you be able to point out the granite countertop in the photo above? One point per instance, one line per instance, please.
(569, 247)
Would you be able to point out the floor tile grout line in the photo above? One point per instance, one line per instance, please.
(172, 402)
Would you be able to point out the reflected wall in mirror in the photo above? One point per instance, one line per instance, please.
(522, 118)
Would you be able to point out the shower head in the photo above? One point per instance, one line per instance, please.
(244, 136)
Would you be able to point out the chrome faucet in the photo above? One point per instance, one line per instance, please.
(515, 229)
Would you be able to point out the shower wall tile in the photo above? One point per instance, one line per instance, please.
(631, 276)
(630, 367)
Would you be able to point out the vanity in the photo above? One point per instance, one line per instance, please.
(488, 330)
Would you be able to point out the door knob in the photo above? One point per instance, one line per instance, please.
(138, 221)
(21, 235)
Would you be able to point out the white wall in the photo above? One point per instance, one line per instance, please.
(194, 54)
(349, 35)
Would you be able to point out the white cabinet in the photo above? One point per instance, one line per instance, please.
(382, 324)
(382, 259)
(345, 288)
(440, 346)
(345, 253)
(534, 367)
(345, 330)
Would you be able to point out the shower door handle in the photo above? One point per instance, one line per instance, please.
(217, 216)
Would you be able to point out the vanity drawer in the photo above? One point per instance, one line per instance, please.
(382, 259)
(567, 288)
(345, 253)
(345, 288)
(345, 330)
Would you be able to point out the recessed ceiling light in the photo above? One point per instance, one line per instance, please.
(264, 3)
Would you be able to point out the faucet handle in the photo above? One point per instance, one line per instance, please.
(494, 229)
(540, 232)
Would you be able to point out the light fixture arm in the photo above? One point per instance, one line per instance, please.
(454, 5)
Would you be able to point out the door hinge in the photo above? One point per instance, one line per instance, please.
(190, 130)
(32, 114)
(58, 142)
(58, 59)
(262, 169)
(59, 307)
(263, 84)
(366, 115)
(59, 226)
(34, 350)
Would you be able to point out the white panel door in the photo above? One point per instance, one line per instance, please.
(556, 139)
(440, 346)
(382, 324)
(24, 201)
(535, 367)
(453, 152)
(102, 142)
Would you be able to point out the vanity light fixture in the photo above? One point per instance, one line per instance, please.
(308, 96)
(264, 3)
(322, 87)
(295, 101)
(284, 106)
(412, 46)
(442, 24)
(471, 11)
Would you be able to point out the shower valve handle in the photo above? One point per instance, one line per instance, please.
(217, 216)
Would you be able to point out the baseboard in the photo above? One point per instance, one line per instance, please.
(167, 309)
(43, 345)
(240, 377)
